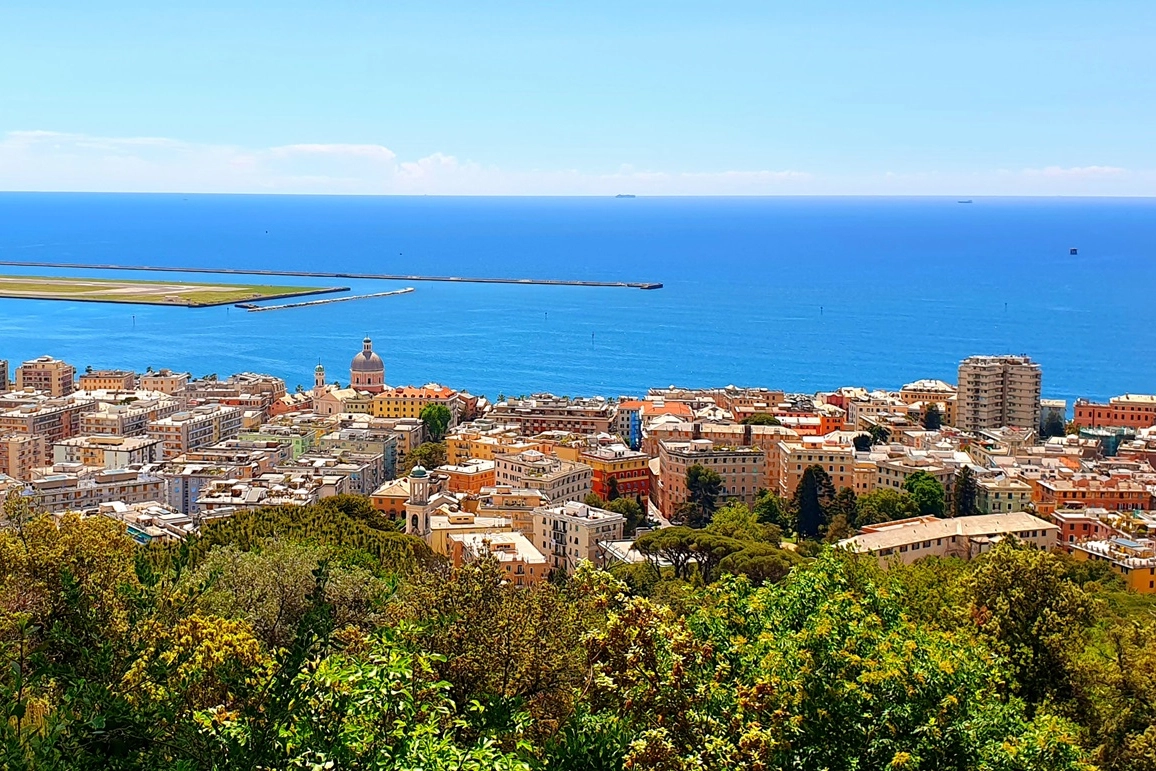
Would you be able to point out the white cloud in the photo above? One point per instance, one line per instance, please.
(60, 161)
(1076, 171)
(373, 152)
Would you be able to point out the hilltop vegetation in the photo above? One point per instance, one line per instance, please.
(309, 638)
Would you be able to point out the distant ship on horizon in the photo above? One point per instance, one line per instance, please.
(626, 195)
(965, 201)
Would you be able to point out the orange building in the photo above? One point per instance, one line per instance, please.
(1129, 410)
(390, 498)
(627, 467)
(469, 476)
(811, 423)
(1112, 493)
(1080, 524)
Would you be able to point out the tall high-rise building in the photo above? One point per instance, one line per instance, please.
(996, 391)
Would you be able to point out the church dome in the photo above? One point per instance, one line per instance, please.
(367, 360)
(419, 472)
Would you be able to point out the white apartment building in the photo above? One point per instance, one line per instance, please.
(964, 537)
(997, 391)
(560, 480)
(573, 532)
(199, 427)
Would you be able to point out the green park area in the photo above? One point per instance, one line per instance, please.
(184, 293)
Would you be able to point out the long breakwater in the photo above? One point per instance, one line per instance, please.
(324, 274)
(252, 308)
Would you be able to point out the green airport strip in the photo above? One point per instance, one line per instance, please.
(179, 293)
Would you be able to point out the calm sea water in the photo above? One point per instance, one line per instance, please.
(797, 293)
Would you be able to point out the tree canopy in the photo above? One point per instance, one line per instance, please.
(436, 418)
(964, 494)
(927, 492)
(429, 455)
(813, 496)
(932, 419)
(305, 637)
(761, 419)
(703, 486)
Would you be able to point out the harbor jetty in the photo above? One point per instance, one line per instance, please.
(253, 308)
(323, 274)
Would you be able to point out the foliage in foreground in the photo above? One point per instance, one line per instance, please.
(282, 645)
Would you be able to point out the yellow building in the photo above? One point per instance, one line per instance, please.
(515, 504)
(390, 498)
(838, 460)
(932, 392)
(166, 381)
(445, 522)
(108, 380)
(1135, 561)
(516, 556)
(462, 446)
(408, 401)
(345, 400)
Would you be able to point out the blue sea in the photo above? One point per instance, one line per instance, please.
(802, 294)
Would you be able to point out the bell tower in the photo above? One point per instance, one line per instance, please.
(417, 507)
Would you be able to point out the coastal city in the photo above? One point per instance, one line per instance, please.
(543, 483)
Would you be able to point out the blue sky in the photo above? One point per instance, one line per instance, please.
(953, 98)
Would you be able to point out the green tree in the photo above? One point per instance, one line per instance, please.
(813, 495)
(1053, 425)
(760, 563)
(709, 549)
(429, 455)
(838, 529)
(845, 504)
(770, 509)
(879, 434)
(436, 418)
(761, 419)
(820, 670)
(932, 419)
(378, 708)
(862, 442)
(514, 649)
(1024, 604)
(963, 499)
(735, 520)
(630, 509)
(703, 486)
(269, 588)
(884, 505)
(669, 544)
(611, 488)
(1115, 695)
(927, 492)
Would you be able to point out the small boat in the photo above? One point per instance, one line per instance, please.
(1073, 251)
(625, 195)
(967, 201)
